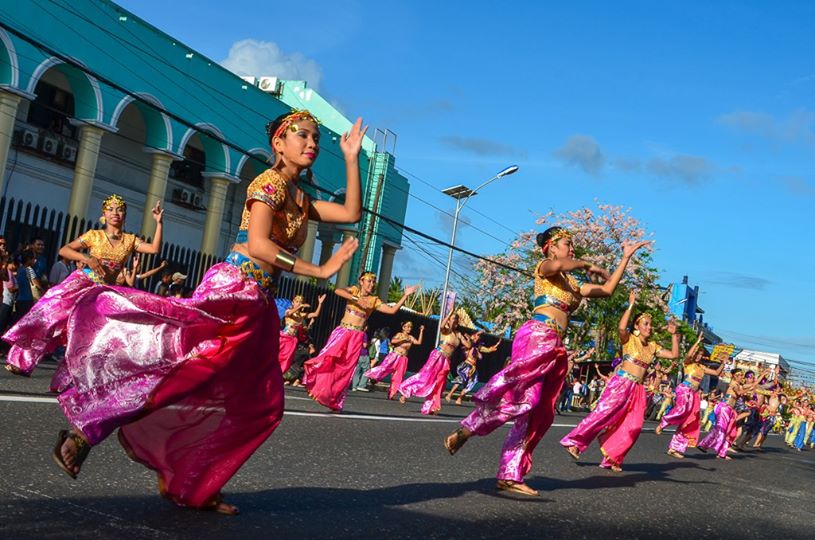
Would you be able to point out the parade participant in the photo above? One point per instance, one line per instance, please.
(429, 382)
(328, 374)
(525, 391)
(722, 435)
(193, 384)
(768, 417)
(686, 413)
(467, 373)
(618, 418)
(293, 321)
(105, 252)
(395, 363)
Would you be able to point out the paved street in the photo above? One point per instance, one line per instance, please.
(379, 470)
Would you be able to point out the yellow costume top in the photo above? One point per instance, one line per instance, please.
(362, 307)
(290, 216)
(548, 293)
(112, 257)
(637, 352)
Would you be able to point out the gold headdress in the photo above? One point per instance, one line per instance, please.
(367, 274)
(551, 236)
(288, 122)
(464, 319)
(114, 200)
(298, 297)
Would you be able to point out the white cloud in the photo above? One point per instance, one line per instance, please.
(797, 127)
(261, 58)
(689, 169)
(582, 151)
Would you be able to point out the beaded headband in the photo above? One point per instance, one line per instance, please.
(298, 297)
(288, 122)
(115, 201)
(367, 274)
(557, 235)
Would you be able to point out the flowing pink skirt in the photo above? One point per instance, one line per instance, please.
(617, 421)
(288, 345)
(429, 382)
(685, 414)
(193, 384)
(524, 391)
(328, 374)
(393, 364)
(723, 433)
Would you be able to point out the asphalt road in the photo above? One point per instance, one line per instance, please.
(379, 470)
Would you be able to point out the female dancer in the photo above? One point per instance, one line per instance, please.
(429, 382)
(328, 374)
(293, 321)
(686, 412)
(466, 370)
(619, 416)
(395, 363)
(723, 433)
(525, 391)
(193, 384)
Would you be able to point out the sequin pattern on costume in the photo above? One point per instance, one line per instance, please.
(287, 227)
(111, 257)
(548, 293)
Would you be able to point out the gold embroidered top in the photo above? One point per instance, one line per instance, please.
(634, 350)
(548, 293)
(363, 306)
(290, 215)
(404, 338)
(293, 322)
(112, 257)
(695, 371)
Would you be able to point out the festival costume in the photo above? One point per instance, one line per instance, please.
(192, 383)
(618, 418)
(686, 413)
(722, 434)
(328, 374)
(394, 364)
(288, 341)
(526, 390)
(430, 381)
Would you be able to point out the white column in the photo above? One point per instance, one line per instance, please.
(90, 140)
(156, 188)
(386, 270)
(344, 275)
(306, 252)
(216, 202)
(8, 112)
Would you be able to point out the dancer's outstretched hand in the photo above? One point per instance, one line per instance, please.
(158, 212)
(410, 290)
(343, 255)
(629, 247)
(632, 297)
(351, 141)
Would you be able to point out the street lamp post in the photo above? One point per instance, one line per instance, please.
(461, 194)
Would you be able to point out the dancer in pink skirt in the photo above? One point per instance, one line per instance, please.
(328, 374)
(724, 432)
(293, 322)
(686, 413)
(525, 391)
(429, 382)
(395, 363)
(617, 420)
(192, 384)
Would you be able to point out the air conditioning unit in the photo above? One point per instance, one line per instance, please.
(268, 84)
(68, 152)
(186, 196)
(197, 201)
(250, 80)
(50, 145)
(30, 138)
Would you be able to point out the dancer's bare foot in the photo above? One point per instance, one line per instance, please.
(516, 487)
(458, 401)
(456, 440)
(447, 398)
(573, 451)
(402, 400)
(674, 453)
(658, 430)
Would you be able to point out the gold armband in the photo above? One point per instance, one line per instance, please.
(285, 260)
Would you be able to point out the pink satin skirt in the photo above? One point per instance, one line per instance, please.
(393, 364)
(193, 384)
(686, 415)
(616, 421)
(288, 345)
(723, 433)
(328, 375)
(525, 392)
(429, 382)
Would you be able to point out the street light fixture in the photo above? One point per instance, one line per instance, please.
(462, 194)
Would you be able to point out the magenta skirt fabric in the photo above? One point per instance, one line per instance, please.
(193, 383)
(723, 433)
(429, 382)
(617, 421)
(393, 364)
(328, 375)
(524, 392)
(685, 414)
(288, 345)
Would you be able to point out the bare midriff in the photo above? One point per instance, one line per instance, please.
(560, 317)
(243, 249)
(449, 343)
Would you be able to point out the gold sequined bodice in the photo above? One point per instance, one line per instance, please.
(363, 306)
(696, 371)
(634, 350)
(548, 293)
(112, 257)
(291, 216)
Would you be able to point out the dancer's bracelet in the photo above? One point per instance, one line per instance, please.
(285, 260)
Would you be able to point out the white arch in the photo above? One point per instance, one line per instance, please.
(48, 63)
(205, 128)
(257, 151)
(12, 55)
(153, 100)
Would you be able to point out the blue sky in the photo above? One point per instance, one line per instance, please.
(697, 115)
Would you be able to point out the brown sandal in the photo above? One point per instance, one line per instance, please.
(675, 454)
(574, 452)
(220, 507)
(516, 487)
(82, 451)
(455, 441)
